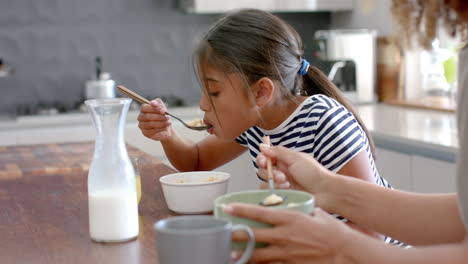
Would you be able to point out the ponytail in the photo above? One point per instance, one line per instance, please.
(316, 82)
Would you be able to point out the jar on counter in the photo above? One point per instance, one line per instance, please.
(434, 82)
(389, 69)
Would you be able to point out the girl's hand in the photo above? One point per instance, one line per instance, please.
(295, 170)
(295, 237)
(152, 121)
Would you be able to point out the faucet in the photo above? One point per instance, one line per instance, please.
(336, 66)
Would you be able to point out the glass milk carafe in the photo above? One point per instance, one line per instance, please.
(112, 197)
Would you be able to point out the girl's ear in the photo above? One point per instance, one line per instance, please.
(263, 91)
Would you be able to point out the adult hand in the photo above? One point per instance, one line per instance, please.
(292, 169)
(295, 237)
(152, 121)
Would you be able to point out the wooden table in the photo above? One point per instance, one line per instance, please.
(44, 207)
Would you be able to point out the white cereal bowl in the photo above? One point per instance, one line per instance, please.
(193, 192)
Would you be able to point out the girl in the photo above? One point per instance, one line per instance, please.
(255, 83)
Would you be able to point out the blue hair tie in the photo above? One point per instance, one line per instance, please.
(304, 67)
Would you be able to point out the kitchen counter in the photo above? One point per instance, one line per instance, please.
(77, 118)
(415, 131)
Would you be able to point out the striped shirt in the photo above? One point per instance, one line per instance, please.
(323, 128)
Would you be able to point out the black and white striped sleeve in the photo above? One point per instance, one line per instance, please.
(338, 138)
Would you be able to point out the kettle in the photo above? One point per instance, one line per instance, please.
(101, 87)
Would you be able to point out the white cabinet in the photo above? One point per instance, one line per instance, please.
(411, 172)
(395, 167)
(216, 6)
(134, 137)
(60, 134)
(433, 176)
(242, 172)
(7, 138)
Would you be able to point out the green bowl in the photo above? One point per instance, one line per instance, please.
(295, 200)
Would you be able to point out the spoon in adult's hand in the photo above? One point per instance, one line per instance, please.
(140, 99)
(273, 198)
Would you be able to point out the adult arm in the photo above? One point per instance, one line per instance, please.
(417, 219)
(299, 238)
(363, 250)
(359, 168)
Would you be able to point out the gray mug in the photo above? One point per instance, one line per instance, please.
(198, 239)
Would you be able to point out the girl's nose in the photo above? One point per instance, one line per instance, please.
(204, 103)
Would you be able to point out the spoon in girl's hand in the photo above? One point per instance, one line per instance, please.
(273, 198)
(194, 124)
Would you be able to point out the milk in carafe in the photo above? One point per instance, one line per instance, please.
(113, 215)
(112, 196)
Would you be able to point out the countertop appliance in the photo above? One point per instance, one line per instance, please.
(216, 6)
(101, 87)
(349, 59)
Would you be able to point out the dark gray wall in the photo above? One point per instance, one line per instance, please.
(145, 44)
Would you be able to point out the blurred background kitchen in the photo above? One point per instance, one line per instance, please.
(56, 54)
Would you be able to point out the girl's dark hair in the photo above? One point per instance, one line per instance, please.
(259, 44)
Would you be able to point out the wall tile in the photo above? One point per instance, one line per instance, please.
(145, 44)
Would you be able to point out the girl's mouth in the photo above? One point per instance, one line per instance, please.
(207, 123)
(210, 130)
